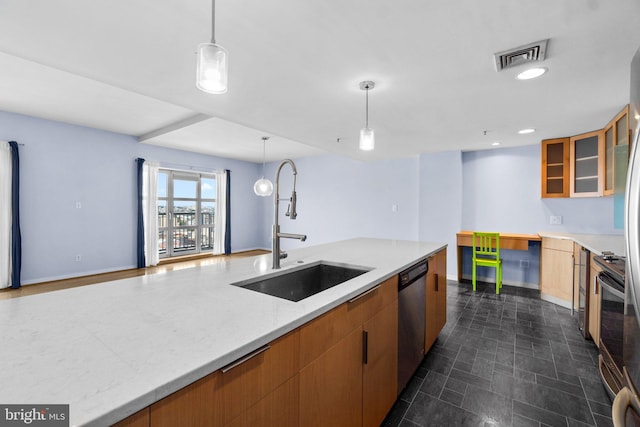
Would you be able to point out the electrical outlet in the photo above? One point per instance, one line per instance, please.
(524, 263)
(78, 205)
(78, 258)
(394, 208)
(555, 220)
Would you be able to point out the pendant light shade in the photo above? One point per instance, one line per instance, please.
(263, 187)
(367, 135)
(212, 68)
(213, 63)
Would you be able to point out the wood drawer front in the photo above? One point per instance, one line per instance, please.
(383, 296)
(249, 382)
(564, 245)
(320, 334)
(198, 404)
(280, 408)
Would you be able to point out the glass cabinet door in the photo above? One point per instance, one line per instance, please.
(587, 160)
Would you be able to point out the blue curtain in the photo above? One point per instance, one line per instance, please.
(16, 237)
(142, 262)
(227, 226)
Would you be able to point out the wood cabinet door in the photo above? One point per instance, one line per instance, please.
(331, 385)
(431, 321)
(594, 304)
(278, 409)
(380, 370)
(197, 405)
(556, 276)
(252, 379)
(436, 298)
(555, 168)
(441, 289)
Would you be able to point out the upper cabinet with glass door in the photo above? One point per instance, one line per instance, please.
(616, 134)
(586, 153)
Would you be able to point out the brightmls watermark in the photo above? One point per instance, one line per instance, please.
(34, 415)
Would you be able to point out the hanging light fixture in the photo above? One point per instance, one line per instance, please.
(367, 135)
(213, 64)
(263, 187)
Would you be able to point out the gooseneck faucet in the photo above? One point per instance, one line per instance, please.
(291, 213)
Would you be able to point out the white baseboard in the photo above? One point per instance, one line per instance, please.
(75, 275)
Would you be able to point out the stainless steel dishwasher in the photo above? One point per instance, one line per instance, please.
(411, 321)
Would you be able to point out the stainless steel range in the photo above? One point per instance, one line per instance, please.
(611, 284)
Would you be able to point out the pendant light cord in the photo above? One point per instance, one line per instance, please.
(213, 21)
(264, 154)
(366, 122)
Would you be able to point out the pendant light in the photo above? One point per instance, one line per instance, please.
(263, 187)
(367, 135)
(213, 64)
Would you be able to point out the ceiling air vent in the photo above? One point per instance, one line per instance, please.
(531, 52)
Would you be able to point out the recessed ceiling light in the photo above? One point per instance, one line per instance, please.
(531, 73)
(495, 144)
(525, 131)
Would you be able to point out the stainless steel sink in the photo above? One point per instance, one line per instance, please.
(298, 284)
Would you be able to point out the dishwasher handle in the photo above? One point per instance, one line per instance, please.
(410, 275)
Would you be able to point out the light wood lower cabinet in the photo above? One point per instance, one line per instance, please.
(436, 298)
(222, 396)
(380, 373)
(594, 303)
(354, 382)
(556, 275)
(339, 369)
(331, 385)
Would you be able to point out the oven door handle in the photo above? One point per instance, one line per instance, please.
(611, 289)
(624, 399)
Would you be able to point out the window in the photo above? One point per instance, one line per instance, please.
(186, 208)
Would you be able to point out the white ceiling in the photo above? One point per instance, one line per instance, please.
(129, 67)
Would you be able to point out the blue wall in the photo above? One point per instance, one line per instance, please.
(62, 164)
(340, 198)
(436, 196)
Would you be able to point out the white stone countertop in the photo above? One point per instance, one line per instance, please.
(113, 348)
(596, 243)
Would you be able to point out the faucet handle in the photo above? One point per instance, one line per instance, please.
(288, 212)
(283, 254)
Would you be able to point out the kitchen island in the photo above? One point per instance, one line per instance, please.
(111, 349)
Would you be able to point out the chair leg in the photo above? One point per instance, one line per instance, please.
(498, 278)
(473, 276)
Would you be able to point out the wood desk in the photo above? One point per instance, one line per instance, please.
(518, 242)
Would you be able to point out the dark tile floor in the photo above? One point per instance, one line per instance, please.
(505, 360)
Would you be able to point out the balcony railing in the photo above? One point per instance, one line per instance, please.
(185, 227)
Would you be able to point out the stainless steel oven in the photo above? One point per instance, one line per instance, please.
(611, 331)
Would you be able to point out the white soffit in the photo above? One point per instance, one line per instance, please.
(222, 138)
(38, 90)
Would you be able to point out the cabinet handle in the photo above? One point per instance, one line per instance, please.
(595, 285)
(356, 298)
(365, 347)
(245, 358)
(436, 282)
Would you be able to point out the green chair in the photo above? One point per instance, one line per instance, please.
(486, 253)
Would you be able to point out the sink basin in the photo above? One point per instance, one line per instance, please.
(304, 282)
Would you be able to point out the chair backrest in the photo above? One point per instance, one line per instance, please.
(486, 244)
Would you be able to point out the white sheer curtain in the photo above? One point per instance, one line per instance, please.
(150, 212)
(5, 214)
(221, 213)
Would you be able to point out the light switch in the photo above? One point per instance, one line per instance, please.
(78, 205)
(394, 208)
(555, 220)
